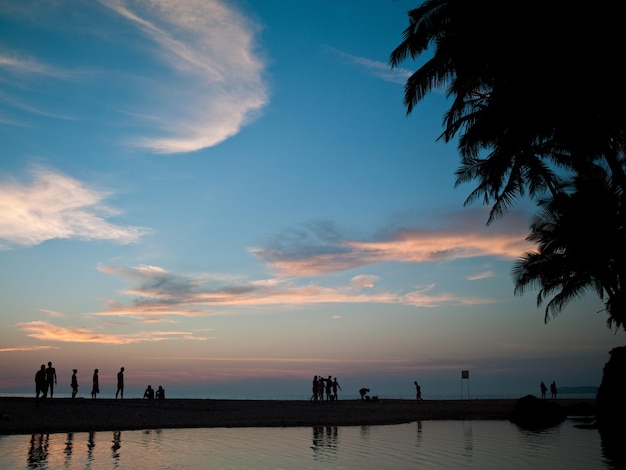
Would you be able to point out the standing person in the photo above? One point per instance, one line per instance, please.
(335, 387)
(51, 378)
(418, 391)
(544, 389)
(315, 387)
(74, 383)
(553, 390)
(120, 384)
(95, 389)
(329, 387)
(40, 383)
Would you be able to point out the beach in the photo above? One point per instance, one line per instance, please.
(25, 416)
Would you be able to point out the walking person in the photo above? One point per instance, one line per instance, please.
(120, 384)
(51, 378)
(315, 387)
(418, 391)
(95, 389)
(335, 387)
(74, 383)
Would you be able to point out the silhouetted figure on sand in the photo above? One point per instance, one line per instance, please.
(315, 389)
(74, 383)
(160, 393)
(336, 387)
(40, 382)
(149, 393)
(329, 387)
(363, 392)
(51, 378)
(120, 384)
(418, 391)
(553, 390)
(95, 389)
(544, 389)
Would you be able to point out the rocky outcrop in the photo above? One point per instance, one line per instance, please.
(533, 412)
(611, 396)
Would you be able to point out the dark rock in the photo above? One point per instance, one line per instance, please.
(611, 396)
(530, 411)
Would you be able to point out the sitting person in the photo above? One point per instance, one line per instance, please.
(160, 393)
(149, 393)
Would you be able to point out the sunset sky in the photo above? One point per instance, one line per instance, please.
(227, 198)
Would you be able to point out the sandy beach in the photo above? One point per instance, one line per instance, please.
(23, 416)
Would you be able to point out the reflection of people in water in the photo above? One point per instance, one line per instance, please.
(69, 444)
(117, 444)
(38, 451)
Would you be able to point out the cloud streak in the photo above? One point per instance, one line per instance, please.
(53, 206)
(320, 250)
(49, 332)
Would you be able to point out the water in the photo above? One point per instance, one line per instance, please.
(418, 445)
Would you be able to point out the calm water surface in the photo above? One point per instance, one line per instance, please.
(419, 445)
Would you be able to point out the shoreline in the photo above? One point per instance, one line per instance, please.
(24, 416)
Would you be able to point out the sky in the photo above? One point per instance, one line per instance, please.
(227, 198)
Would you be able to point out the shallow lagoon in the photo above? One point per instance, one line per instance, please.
(422, 445)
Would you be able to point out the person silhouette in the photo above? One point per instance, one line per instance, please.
(418, 391)
(315, 389)
(95, 389)
(160, 393)
(363, 392)
(120, 384)
(40, 383)
(335, 387)
(553, 390)
(149, 393)
(544, 389)
(74, 383)
(51, 378)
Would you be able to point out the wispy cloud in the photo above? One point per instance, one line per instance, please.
(376, 68)
(48, 332)
(26, 348)
(158, 293)
(53, 205)
(319, 249)
(218, 84)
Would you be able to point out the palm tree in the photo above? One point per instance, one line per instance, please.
(535, 90)
(537, 103)
(580, 242)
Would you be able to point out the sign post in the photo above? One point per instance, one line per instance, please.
(465, 376)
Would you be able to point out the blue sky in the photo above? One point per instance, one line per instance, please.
(228, 198)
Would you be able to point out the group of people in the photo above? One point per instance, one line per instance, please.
(328, 387)
(149, 393)
(544, 390)
(46, 379)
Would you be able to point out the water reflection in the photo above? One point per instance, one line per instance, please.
(69, 443)
(423, 444)
(325, 442)
(117, 444)
(468, 439)
(91, 443)
(38, 450)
